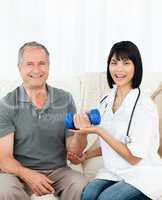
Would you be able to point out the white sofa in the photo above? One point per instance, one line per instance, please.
(87, 89)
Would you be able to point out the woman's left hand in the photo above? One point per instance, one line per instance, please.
(86, 131)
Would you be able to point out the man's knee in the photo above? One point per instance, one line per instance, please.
(11, 188)
(74, 189)
(12, 193)
(80, 184)
(77, 184)
(77, 180)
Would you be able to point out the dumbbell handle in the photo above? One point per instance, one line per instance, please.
(94, 118)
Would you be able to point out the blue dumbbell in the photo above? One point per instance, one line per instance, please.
(94, 117)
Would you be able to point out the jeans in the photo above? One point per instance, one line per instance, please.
(99, 189)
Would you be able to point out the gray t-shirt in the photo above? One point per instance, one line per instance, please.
(40, 135)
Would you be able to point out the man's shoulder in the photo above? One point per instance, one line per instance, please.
(10, 98)
(8, 104)
(58, 93)
(60, 97)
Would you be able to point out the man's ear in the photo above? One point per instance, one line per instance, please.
(18, 65)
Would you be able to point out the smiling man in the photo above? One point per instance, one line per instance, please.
(33, 138)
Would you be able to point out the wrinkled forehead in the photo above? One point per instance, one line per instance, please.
(33, 50)
(34, 54)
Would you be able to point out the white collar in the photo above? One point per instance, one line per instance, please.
(129, 99)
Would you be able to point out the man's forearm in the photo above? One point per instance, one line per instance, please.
(12, 166)
(77, 144)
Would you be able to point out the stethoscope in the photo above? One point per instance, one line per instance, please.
(127, 137)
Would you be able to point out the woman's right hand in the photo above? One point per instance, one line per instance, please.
(76, 159)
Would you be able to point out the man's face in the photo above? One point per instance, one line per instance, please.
(34, 67)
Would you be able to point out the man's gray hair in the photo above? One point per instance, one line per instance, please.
(32, 44)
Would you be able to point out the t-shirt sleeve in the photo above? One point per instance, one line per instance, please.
(71, 108)
(144, 128)
(6, 119)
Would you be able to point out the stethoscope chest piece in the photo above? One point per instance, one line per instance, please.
(127, 139)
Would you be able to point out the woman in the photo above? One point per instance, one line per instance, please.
(129, 134)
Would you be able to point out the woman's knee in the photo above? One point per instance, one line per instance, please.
(88, 193)
(92, 190)
(120, 191)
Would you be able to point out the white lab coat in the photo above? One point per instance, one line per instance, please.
(144, 133)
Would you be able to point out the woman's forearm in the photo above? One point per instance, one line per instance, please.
(118, 146)
(93, 153)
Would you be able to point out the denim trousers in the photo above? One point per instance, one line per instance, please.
(100, 189)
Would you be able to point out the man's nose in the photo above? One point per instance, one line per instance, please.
(36, 67)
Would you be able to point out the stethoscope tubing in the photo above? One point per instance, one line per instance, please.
(127, 137)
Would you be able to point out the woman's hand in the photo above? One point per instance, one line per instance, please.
(76, 159)
(86, 131)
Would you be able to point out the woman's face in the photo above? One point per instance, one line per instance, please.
(122, 71)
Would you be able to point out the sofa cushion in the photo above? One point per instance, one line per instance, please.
(91, 166)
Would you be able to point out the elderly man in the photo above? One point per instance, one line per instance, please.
(33, 138)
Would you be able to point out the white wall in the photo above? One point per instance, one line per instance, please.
(79, 33)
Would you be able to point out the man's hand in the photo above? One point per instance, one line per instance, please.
(39, 183)
(83, 125)
(81, 121)
(77, 142)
